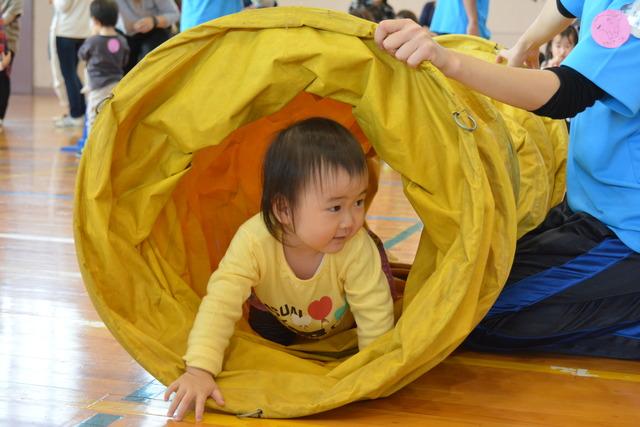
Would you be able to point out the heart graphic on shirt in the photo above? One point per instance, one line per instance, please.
(319, 309)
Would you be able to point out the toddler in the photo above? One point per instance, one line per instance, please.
(305, 257)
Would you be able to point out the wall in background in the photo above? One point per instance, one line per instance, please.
(21, 75)
(507, 20)
(41, 23)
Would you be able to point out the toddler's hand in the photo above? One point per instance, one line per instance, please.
(195, 384)
(409, 42)
(554, 62)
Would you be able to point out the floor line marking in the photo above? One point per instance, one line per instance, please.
(150, 390)
(402, 235)
(548, 369)
(36, 238)
(36, 194)
(100, 420)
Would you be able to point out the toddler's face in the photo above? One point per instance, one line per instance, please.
(560, 48)
(331, 212)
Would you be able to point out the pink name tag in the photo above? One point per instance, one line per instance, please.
(610, 29)
(113, 45)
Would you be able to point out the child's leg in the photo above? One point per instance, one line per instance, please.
(95, 98)
(268, 327)
(5, 91)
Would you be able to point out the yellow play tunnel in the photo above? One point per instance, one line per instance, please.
(172, 168)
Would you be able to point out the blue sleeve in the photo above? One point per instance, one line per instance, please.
(573, 6)
(613, 70)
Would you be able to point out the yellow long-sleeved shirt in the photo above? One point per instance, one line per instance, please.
(348, 285)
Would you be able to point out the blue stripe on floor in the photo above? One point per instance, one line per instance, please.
(146, 392)
(100, 420)
(403, 235)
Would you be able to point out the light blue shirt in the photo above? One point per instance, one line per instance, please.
(129, 12)
(450, 17)
(195, 12)
(603, 165)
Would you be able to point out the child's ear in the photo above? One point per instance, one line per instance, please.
(281, 211)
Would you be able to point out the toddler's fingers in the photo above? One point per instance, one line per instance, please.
(174, 404)
(184, 407)
(217, 396)
(200, 401)
(167, 393)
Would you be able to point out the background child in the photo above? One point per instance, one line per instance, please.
(106, 54)
(559, 47)
(306, 257)
(11, 12)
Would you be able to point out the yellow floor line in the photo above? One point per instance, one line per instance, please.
(548, 369)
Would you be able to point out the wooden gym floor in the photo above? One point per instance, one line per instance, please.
(59, 365)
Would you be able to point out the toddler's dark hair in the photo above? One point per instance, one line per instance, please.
(105, 12)
(301, 155)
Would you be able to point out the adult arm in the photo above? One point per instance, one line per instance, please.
(576, 93)
(523, 88)
(471, 9)
(551, 92)
(169, 13)
(167, 16)
(552, 20)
